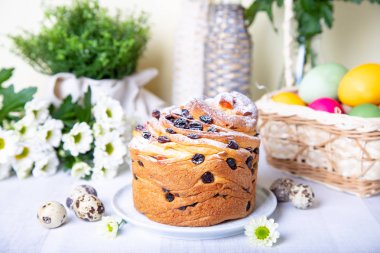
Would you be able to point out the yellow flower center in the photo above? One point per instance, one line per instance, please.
(23, 130)
(77, 138)
(109, 148)
(110, 228)
(49, 134)
(44, 168)
(23, 154)
(262, 232)
(109, 113)
(2, 143)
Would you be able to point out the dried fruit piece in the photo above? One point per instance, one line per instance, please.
(207, 177)
(232, 144)
(232, 163)
(212, 129)
(193, 136)
(249, 162)
(170, 131)
(140, 163)
(196, 126)
(139, 127)
(181, 123)
(198, 159)
(146, 135)
(156, 114)
(170, 118)
(206, 119)
(163, 139)
(248, 206)
(169, 197)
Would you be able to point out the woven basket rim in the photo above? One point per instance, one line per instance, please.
(342, 121)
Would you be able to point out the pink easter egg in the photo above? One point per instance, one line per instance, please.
(327, 105)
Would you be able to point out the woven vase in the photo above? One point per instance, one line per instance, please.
(228, 50)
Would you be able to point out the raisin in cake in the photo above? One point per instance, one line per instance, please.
(196, 165)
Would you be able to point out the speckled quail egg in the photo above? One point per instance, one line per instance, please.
(78, 191)
(51, 214)
(302, 196)
(88, 207)
(281, 188)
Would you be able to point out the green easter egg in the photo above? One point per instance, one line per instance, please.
(365, 111)
(322, 81)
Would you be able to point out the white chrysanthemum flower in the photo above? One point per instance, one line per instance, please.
(262, 232)
(78, 140)
(26, 127)
(24, 159)
(109, 226)
(80, 170)
(46, 165)
(8, 145)
(5, 170)
(38, 109)
(100, 130)
(103, 172)
(108, 111)
(109, 150)
(1, 101)
(51, 132)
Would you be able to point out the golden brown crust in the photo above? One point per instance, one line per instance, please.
(198, 173)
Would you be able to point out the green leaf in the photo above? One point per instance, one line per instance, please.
(5, 74)
(84, 112)
(15, 101)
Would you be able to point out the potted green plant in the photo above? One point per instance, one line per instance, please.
(82, 45)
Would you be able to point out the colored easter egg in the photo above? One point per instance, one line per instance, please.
(361, 85)
(326, 105)
(322, 81)
(289, 98)
(365, 111)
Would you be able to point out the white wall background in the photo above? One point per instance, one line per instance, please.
(354, 39)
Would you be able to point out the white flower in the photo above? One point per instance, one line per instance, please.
(1, 101)
(109, 226)
(24, 159)
(80, 170)
(8, 145)
(78, 140)
(108, 111)
(51, 132)
(5, 170)
(38, 109)
(99, 129)
(46, 165)
(109, 150)
(26, 127)
(107, 172)
(262, 232)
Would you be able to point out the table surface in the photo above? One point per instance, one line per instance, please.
(338, 222)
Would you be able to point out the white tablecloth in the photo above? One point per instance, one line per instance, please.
(337, 223)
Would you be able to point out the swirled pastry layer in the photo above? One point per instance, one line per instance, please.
(196, 165)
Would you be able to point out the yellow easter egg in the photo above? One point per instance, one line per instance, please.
(289, 98)
(361, 85)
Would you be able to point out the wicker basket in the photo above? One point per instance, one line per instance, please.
(340, 151)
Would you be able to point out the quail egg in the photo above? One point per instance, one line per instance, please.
(78, 191)
(302, 196)
(51, 214)
(88, 207)
(281, 188)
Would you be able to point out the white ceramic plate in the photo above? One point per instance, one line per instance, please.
(123, 204)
